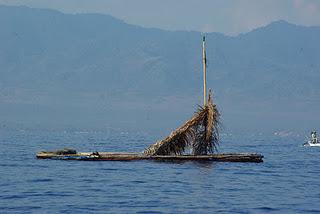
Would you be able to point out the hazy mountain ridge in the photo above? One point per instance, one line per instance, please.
(96, 63)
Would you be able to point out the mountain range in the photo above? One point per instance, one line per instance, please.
(96, 71)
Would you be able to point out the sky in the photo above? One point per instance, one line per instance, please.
(230, 17)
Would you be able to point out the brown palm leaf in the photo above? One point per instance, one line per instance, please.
(200, 134)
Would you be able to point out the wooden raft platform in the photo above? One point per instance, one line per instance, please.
(111, 156)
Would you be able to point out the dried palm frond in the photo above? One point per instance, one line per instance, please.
(200, 134)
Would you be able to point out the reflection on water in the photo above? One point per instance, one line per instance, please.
(199, 163)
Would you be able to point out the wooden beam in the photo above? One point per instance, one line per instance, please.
(110, 156)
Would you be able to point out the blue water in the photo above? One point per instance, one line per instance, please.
(287, 182)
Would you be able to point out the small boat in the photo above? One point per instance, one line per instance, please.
(313, 142)
(309, 143)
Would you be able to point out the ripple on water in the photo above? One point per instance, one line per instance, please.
(287, 182)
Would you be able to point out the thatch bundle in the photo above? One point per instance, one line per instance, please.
(200, 134)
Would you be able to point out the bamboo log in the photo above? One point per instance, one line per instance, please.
(110, 156)
(204, 62)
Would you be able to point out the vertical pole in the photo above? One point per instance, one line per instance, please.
(204, 62)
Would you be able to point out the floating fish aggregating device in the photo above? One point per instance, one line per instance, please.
(199, 135)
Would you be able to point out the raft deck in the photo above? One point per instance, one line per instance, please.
(112, 156)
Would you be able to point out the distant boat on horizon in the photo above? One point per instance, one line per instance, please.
(313, 142)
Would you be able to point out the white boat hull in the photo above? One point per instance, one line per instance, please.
(312, 144)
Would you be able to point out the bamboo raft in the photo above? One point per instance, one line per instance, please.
(118, 156)
(200, 135)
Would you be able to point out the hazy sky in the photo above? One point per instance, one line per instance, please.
(226, 16)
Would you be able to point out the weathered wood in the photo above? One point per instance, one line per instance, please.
(111, 156)
(204, 62)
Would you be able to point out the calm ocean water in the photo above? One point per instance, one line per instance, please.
(287, 182)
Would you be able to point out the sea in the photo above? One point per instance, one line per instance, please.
(288, 181)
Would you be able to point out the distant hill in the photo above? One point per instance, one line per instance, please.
(92, 70)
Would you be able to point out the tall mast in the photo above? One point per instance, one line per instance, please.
(204, 62)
